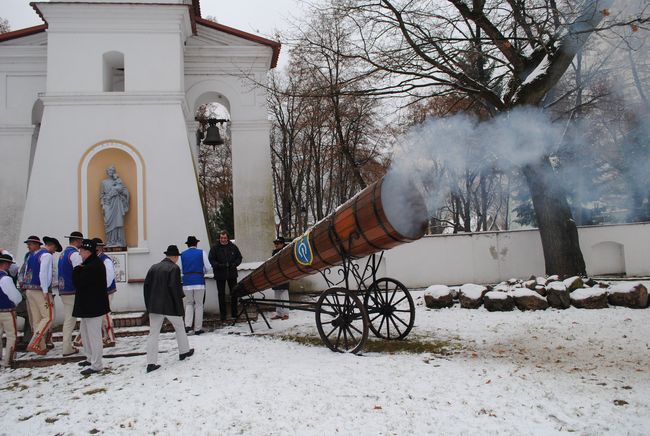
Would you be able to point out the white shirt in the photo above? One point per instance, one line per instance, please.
(206, 267)
(110, 271)
(45, 273)
(10, 290)
(75, 259)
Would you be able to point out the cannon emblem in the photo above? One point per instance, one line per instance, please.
(302, 250)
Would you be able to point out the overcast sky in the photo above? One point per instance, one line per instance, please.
(261, 17)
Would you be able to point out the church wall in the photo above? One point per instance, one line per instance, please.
(76, 64)
(22, 78)
(171, 201)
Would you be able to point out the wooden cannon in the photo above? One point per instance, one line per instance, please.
(388, 213)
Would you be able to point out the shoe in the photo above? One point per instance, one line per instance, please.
(285, 317)
(49, 346)
(74, 351)
(84, 363)
(152, 367)
(39, 351)
(185, 355)
(109, 344)
(276, 317)
(89, 371)
(188, 329)
(199, 332)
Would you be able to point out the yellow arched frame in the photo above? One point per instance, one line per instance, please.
(92, 170)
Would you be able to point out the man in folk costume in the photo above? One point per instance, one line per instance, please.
(36, 281)
(52, 246)
(163, 298)
(90, 304)
(194, 264)
(9, 299)
(67, 262)
(16, 275)
(108, 334)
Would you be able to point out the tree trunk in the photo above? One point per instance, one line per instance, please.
(557, 228)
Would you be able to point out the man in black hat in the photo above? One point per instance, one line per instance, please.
(69, 259)
(90, 304)
(9, 299)
(52, 246)
(282, 290)
(194, 265)
(108, 334)
(163, 297)
(37, 280)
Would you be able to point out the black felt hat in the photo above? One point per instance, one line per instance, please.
(75, 235)
(35, 239)
(89, 244)
(279, 240)
(48, 240)
(191, 241)
(6, 258)
(172, 250)
(98, 242)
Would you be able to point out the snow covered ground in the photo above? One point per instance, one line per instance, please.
(581, 371)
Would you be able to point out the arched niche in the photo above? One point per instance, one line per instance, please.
(130, 168)
(113, 71)
(607, 257)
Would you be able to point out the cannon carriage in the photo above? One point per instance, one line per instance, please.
(346, 249)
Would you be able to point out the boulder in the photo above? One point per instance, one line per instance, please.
(525, 299)
(553, 278)
(558, 296)
(573, 283)
(530, 284)
(495, 301)
(540, 289)
(589, 298)
(438, 297)
(632, 294)
(471, 296)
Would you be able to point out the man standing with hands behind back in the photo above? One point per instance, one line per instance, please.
(225, 258)
(163, 298)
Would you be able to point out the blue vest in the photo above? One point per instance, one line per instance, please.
(65, 271)
(32, 278)
(6, 305)
(192, 260)
(112, 287)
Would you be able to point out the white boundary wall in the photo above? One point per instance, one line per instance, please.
(491, 257)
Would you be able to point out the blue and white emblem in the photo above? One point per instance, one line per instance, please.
(302, 250)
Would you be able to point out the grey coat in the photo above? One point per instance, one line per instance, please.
(163, 291)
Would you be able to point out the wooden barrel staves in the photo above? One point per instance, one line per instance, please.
(388, 213)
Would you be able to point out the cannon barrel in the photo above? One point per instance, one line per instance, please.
(388, 213)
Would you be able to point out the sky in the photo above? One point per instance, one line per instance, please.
(262, 17)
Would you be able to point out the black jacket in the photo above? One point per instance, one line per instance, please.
(163, 291)
(89, 280)
(224, 260)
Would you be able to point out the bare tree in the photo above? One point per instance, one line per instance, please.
(527, 46)
(4, 25)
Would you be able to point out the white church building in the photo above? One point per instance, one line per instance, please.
(111, 82)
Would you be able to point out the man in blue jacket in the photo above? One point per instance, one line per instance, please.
(9, 299)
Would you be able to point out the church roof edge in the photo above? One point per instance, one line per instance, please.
(275, 45)
(22, 32)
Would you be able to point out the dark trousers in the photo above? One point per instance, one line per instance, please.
(221, 287)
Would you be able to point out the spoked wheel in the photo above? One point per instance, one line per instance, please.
(341, 320)
(390, 308)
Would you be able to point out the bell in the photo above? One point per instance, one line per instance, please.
(212, 136)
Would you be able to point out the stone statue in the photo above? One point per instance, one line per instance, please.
(114, 197)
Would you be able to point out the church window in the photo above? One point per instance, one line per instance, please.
(113, 71)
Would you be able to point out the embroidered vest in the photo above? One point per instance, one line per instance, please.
(6, 305)
(32, 278)
(112, 287)
(65, 271)
(192, 260)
